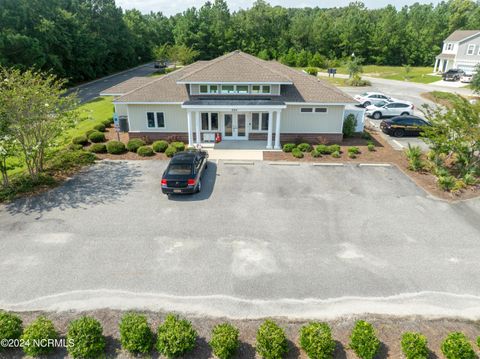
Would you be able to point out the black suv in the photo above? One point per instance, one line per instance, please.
(403, 125)
(453, 75)
(184, 172)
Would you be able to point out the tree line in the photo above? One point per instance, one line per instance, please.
(85, 39)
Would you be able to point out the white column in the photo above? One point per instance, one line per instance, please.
(197, 126)
(277, 130)
(190, 129)
(270, 129)
(435, 66)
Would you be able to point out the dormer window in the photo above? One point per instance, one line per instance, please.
(242, 89)
(228, 89)
(261, 89)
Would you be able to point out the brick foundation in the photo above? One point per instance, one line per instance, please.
(155, 136)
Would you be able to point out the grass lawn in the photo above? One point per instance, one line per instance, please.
(417, 74)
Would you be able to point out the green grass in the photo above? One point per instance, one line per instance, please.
(417, 74)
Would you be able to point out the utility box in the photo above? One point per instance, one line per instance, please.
(123, 123)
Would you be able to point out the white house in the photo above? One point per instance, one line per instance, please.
(461, 50)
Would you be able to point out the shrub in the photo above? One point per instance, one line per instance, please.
(89, 132)
(414, 346)
(352, 155)
(470, 179)
(297, 153)
(41, 329)
(145, 151)
(364, 341)
(334, 148)
(288, 147)
(85, 338)
(316, 154)
(176, 336)
(354, 150)
(326, 150)
(66, 160)
(304, 147)
(349, 125)
(179, 146)
(135, 334)
(98, 148)
(414, 156)
(366, 135)
(100, 127)
(74, 147)
(224, 341)
(357, 81)
(115, 147)
(108, 122)
(457, 346)
(10, 327)
(160, 146)
(447, 183)
(97, 137)
(80, 140)
(371, 146)
(316, 339)
(134, 144)
(311, 71)
(478, 342)
(271, 341)
(336, 154)
(170, 151)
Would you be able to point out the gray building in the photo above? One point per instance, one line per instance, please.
(461, 50)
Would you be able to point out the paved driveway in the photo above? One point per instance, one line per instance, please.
(261, 239)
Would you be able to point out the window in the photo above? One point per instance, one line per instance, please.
(214, 121)
(320, 110)
(209, 121)
(256, 88)
(242, 88)
(260, 121)
(265, 89)
(160, 120)
(205, 125)
(471, 49)
(449, 47)
(179, 169)
(203, 88)
(306, 109)
(213, 89)
(228, 89)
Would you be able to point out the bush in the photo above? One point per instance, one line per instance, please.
(414, 156)
(176, 336)
(316, 339)
(371, 146)
(354, 150)
(179, 146)
(135, 334)
(304, 147)
(334, 148)
(271, 341)
(366, 135)
(115, 147)
(364, 341)
(170, 151)
(327, 150)
(457, 346)
(100, 127)
(316, 154)
(311, 71)
(288, 147)
(97, 137)
(160, 146)
(66, 160)
(89, 132)
(23, 183)
(85, 338)
(336, 154)
(357, 81)
(80, 140)
(134, 144)
(446, 183)
(41, 329)
(224, 341)
(10, 327)
(349, 125)
(352, 155)
(145, 151)
(470, 179)
(297, 153)
(414, 346)
(98, 148)
(108, 122)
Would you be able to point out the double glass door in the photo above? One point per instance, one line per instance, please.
(235, 126)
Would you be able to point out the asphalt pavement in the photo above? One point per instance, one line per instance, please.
(260, 240)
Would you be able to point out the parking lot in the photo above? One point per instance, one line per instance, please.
(261, 239)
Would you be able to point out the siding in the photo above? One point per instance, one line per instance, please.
(175, 118)
(121, 110)
(294, 121)
(463, 48)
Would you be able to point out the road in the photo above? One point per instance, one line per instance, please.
(91, 90)
(260, 240)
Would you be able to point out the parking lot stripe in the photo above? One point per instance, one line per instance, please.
(284, 164)
(243, 163)
(374, 165)
(328, 164)
(398, 144)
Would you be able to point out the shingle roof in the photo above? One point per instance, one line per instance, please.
(304, 88)
(460, 35)
(127, 86)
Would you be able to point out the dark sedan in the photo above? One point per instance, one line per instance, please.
(403, 125)
(184, 173)
(453, 75)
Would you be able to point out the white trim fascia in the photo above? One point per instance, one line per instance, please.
(146, 103)
(233, 107)
(468, 38)
(231, 83)
(320, 103)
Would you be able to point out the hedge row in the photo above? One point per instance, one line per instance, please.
(176, 337)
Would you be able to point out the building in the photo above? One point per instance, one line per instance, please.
(461, 50)
(238, 96)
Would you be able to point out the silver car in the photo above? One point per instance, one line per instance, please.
(390, 109)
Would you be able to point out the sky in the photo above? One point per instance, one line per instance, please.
(171, 7)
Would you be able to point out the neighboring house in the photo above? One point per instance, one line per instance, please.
(461, 50)
(238, 96)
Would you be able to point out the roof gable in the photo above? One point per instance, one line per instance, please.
(461, 35)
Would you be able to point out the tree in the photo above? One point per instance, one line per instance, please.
(162, 53)
(37, 110)
(476, 79)
(7, 151)
(354, 66)
(183, 54)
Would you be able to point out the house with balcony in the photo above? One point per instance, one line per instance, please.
(236, 96)
(461, 50)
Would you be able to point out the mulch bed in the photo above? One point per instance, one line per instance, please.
(389, 331)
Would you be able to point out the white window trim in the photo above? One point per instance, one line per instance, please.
(235, 89)
(210, 122)
(449, 46)
(156, 120)
(471, 48)
(313, 112)
(260, 121)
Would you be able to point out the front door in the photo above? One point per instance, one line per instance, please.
(235, 126)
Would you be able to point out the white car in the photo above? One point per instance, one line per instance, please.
(390, 109)
(467, 78)
(368, 98)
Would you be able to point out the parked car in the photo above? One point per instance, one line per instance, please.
(403, 125)
(367, 98)
(184, 172)
(390, 109)
(467, 78)
(159, 64)
(453, 75)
